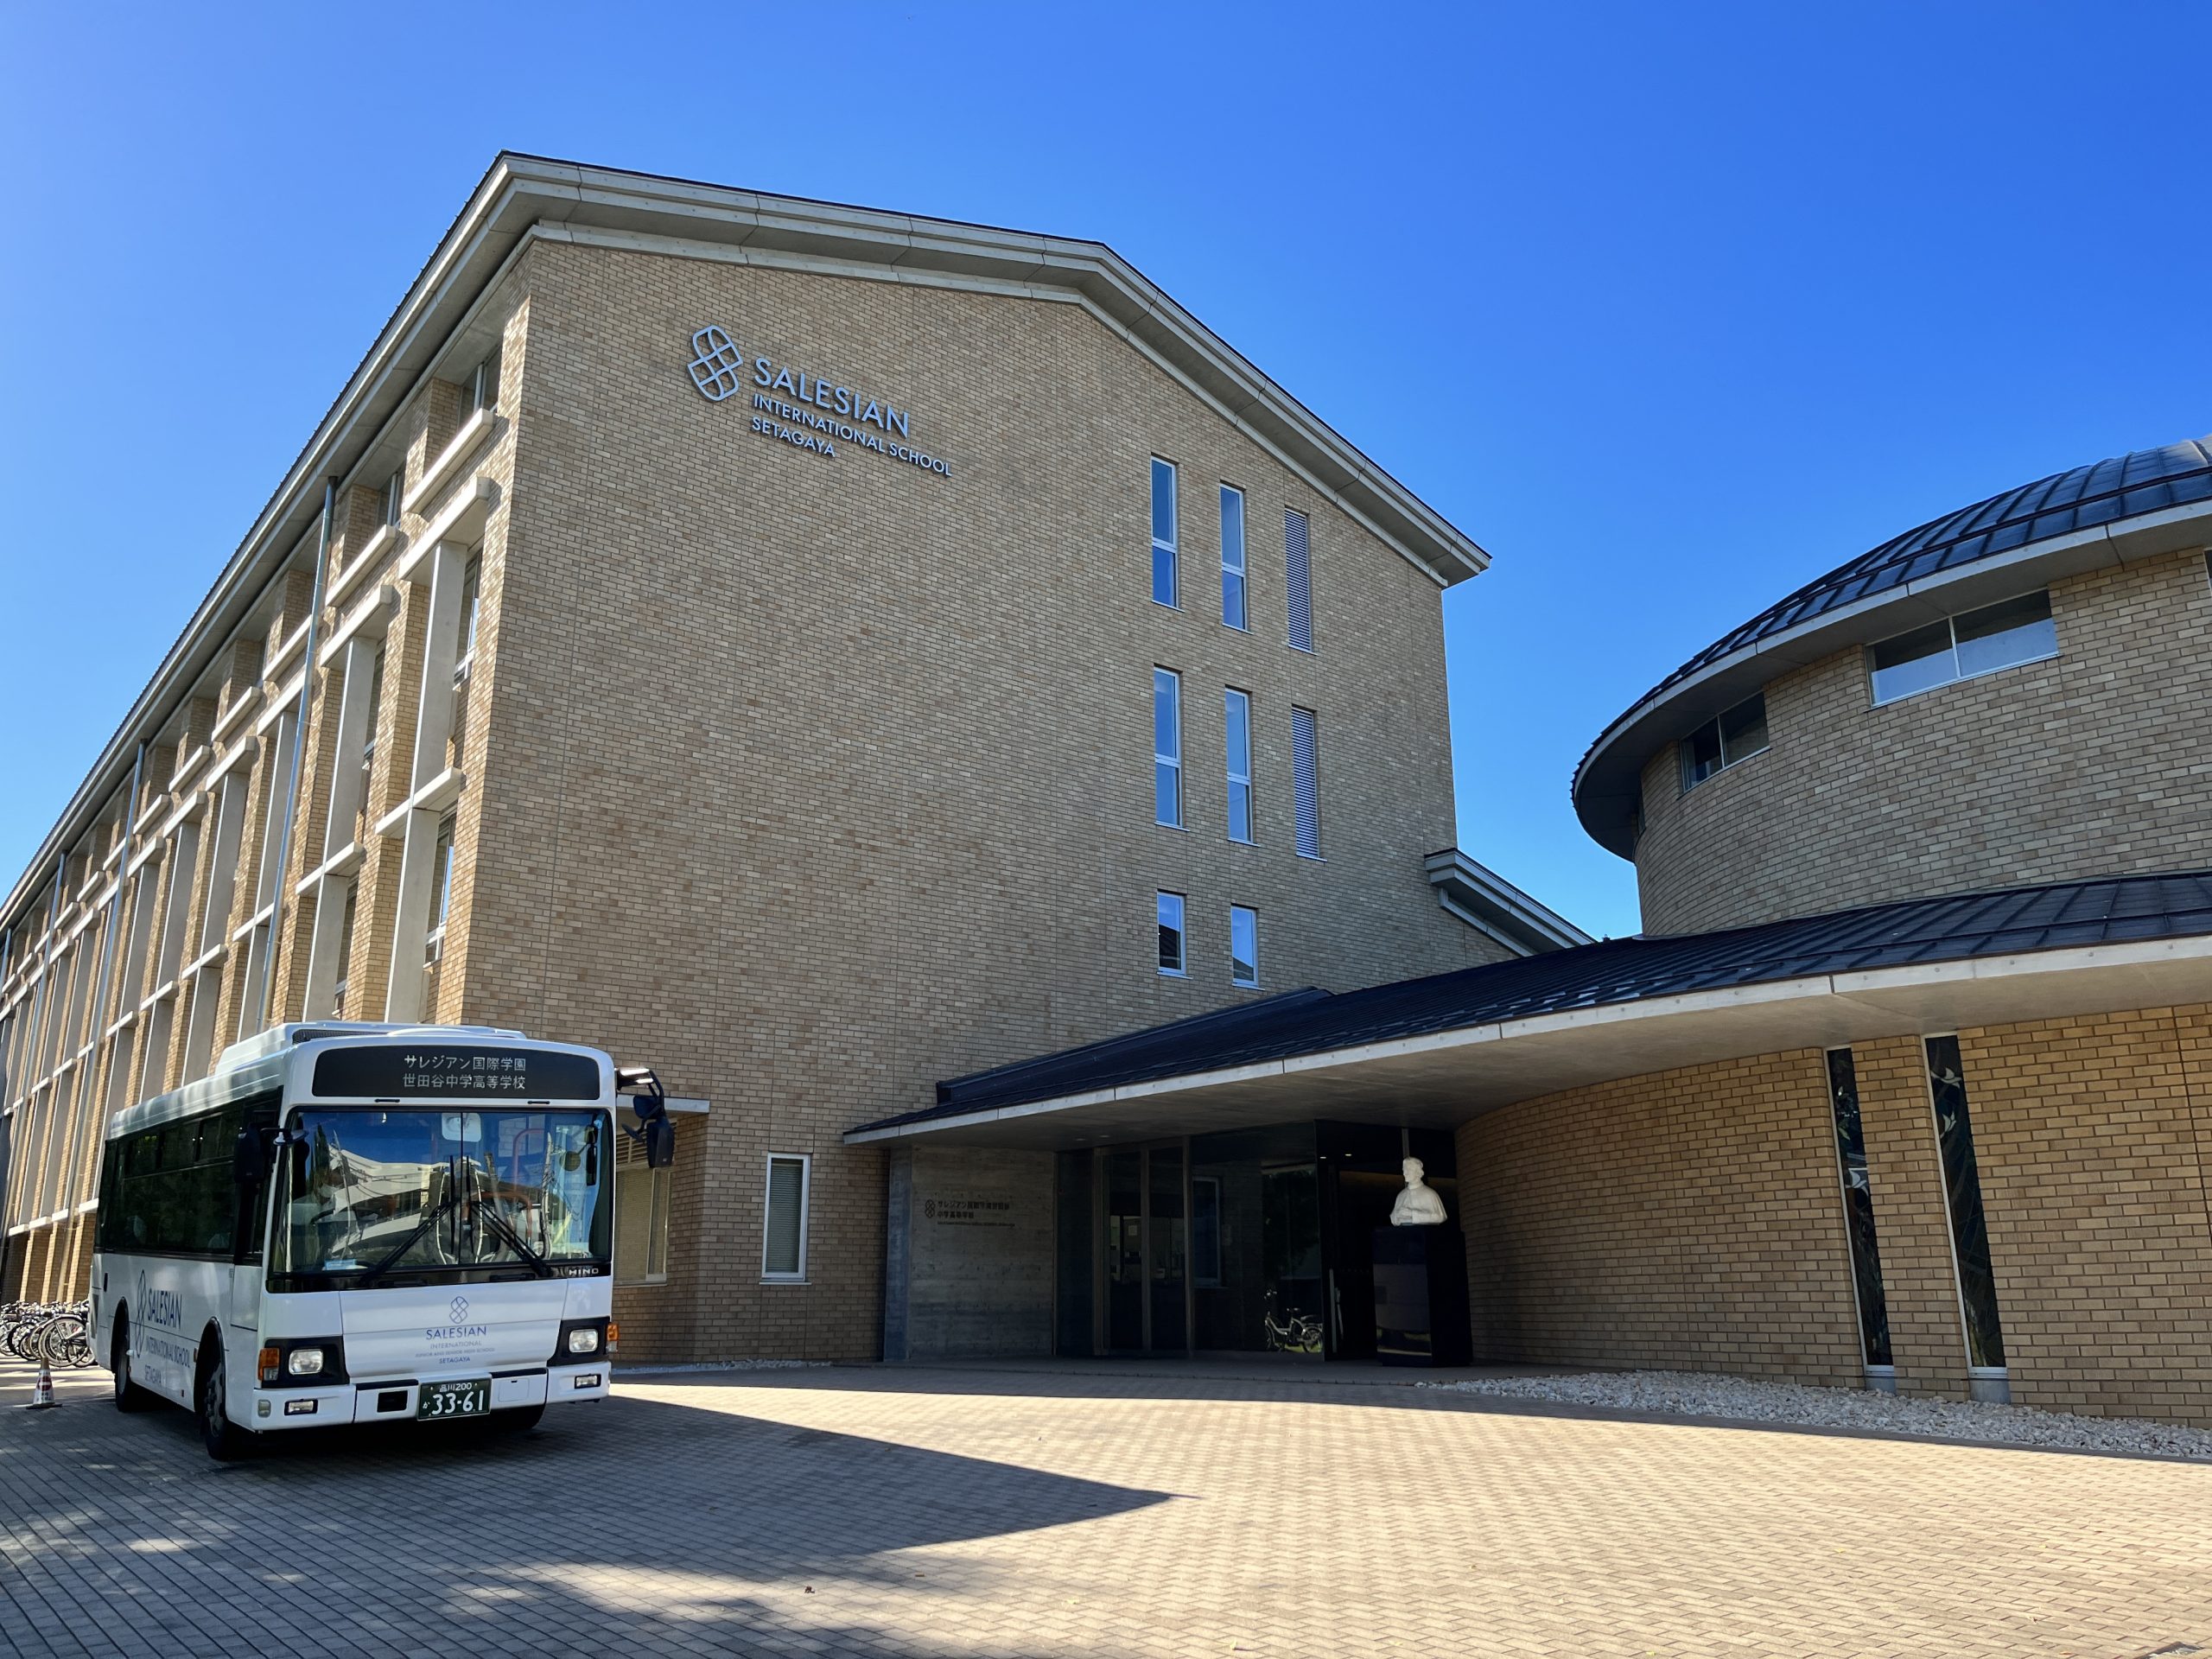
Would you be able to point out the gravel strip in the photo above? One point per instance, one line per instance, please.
(1693, 1394)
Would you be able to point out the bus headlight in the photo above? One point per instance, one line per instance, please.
(581, 1339)
(304, 1361)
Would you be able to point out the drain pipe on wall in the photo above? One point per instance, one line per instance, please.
(299, 754)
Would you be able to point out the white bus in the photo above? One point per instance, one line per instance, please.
(356, 1224)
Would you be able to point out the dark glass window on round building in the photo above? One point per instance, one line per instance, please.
(2002, 635)
(1734, 734)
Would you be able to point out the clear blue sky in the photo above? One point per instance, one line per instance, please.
(1672, 307)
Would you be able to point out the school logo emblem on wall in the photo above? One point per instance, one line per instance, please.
(718, 369)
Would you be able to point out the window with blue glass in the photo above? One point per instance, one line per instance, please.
(1961, 647)
(1232, 556)
(1164, 573)
(1166, 746)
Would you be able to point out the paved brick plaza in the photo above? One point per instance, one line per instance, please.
(1047, 1511)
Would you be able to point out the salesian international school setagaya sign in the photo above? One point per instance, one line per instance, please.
(801, 409)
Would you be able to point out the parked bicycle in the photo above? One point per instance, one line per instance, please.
(47, 1333)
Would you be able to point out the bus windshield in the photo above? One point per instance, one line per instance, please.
(370, 1192)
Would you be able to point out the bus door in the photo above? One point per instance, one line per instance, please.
(252, 1177)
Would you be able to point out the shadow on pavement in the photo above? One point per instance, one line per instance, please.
(642, 1524)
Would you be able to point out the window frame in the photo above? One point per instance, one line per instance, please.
(1235, 912)
(1976, 1370)
(442, 846)
(1720, 742)
(1240, 571)
(1231, 696)
(1298, 581)
(1172, 547)
(1304, 775)
(1950, 621)
(805, 1162)
(1169, 680)
(1182, 902)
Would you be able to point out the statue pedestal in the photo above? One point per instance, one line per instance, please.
(1421, 1296)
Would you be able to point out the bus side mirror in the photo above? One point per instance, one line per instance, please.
(249, 1158)
(655, 1132)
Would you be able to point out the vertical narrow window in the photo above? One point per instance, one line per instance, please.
(345, 950)
(1237, 728)
(783, 1253)
(472, 596)
(395, 490)
(1306, 779)
(1962, 1193)
(1166, 746)
(1232, 556)
(1170, 910)
(1163, 531)
(441, 889)
(1859, 1208)
(483, 391)
(464, 665)
(1298, 577)
(1243, 945)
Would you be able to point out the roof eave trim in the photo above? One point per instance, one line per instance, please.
(1809, 987)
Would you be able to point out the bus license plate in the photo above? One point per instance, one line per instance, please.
(469, 1397)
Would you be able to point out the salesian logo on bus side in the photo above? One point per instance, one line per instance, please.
(459, 1310)
(801, 408)
(161, 1308)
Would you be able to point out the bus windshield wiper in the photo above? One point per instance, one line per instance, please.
(429, 1218)
(488, 1209)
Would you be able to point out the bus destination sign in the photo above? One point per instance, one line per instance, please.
(389, 1071)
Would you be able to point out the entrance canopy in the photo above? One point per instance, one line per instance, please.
(1433, 1052)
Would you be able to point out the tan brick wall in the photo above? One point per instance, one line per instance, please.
(813, 781)
(1692, 1218)
(2092, 1135)
(1688, 1219)
(2076, 766)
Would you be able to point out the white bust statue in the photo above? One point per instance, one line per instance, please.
(1419, 1206)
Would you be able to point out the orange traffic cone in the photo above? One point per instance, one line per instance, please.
(43, 1390)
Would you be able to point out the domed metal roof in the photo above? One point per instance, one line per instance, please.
(2049, 510)
(2098, 494)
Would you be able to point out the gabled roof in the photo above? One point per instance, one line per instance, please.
(526, 197)
(1303, 1023)
(2105, 513)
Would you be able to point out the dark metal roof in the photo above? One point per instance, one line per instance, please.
(2100, 493)
(1853, 601)
(1957, 928)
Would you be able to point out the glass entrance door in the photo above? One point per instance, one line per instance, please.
(1146, 1248)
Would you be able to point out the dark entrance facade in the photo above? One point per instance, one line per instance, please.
(1249, 1241)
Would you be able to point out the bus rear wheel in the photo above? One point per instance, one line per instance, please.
(129, 1396)
(225, 1440)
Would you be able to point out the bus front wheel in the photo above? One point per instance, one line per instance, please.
(225, 1440)
(129, 1396)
